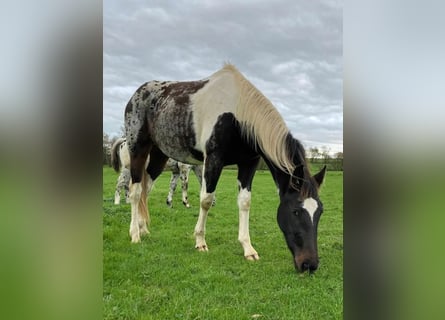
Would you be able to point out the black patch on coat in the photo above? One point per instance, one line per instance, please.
(226, 140)
(227, 146)
(145, 95)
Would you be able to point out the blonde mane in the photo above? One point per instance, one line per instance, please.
(261, 123)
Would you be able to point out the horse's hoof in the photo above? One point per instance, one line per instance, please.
(202, 248)
(253, 257)
(186, 204)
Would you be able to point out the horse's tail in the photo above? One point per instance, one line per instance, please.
(115, 159)
(143, 209)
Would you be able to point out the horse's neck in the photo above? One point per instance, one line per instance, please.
(282, 179)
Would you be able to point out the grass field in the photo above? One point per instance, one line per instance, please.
(163, 277)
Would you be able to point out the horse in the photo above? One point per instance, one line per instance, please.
(220, 120)
(120, 159)
(182, 171)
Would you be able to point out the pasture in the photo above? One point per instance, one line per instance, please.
(164, 277)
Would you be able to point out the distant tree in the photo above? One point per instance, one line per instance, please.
(339, 161)
(106, 148)
(325, 154)
(314, 153)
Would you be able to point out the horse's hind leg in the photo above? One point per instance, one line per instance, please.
(173, 183)
(139, 179)
(185, 170)
(117, 193)
(126, 177)
(122, 183)
(155, 168)
(143, 217)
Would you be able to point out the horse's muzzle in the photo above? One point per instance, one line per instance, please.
(303, 263)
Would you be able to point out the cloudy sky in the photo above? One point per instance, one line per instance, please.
(291, 50)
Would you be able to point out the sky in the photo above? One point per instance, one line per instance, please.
(291, 50)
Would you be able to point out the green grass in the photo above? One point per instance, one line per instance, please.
(163, 277)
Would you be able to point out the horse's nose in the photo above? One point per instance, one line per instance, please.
(308, 265)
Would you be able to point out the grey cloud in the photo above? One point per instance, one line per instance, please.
(291, 50)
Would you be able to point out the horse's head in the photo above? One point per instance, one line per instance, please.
(298, 215)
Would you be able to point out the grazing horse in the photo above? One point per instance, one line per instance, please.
(120, 159)
(220, 120)
(182, 171)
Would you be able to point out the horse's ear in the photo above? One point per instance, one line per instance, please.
(319, 177)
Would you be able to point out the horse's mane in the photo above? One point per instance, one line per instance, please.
(261, 123)
(301, 179)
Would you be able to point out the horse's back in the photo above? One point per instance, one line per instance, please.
(181, 116)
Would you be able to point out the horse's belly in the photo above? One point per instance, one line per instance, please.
(179, 147)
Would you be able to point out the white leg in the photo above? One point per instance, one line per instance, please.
(244, 197)
(119, 186)
(135, 196)
(117, 197)
(206, 202)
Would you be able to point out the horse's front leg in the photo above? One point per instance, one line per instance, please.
(198, 170)
(211, 172)
(245, 177)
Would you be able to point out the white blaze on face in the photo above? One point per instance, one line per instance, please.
(311, 206)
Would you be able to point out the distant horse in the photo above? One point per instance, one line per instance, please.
(120, 159)
(221, 120)
(182, 171)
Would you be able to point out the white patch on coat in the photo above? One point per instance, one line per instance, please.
(311, 206)
(222, 94)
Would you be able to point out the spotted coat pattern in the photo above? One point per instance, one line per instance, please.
(150, 107)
